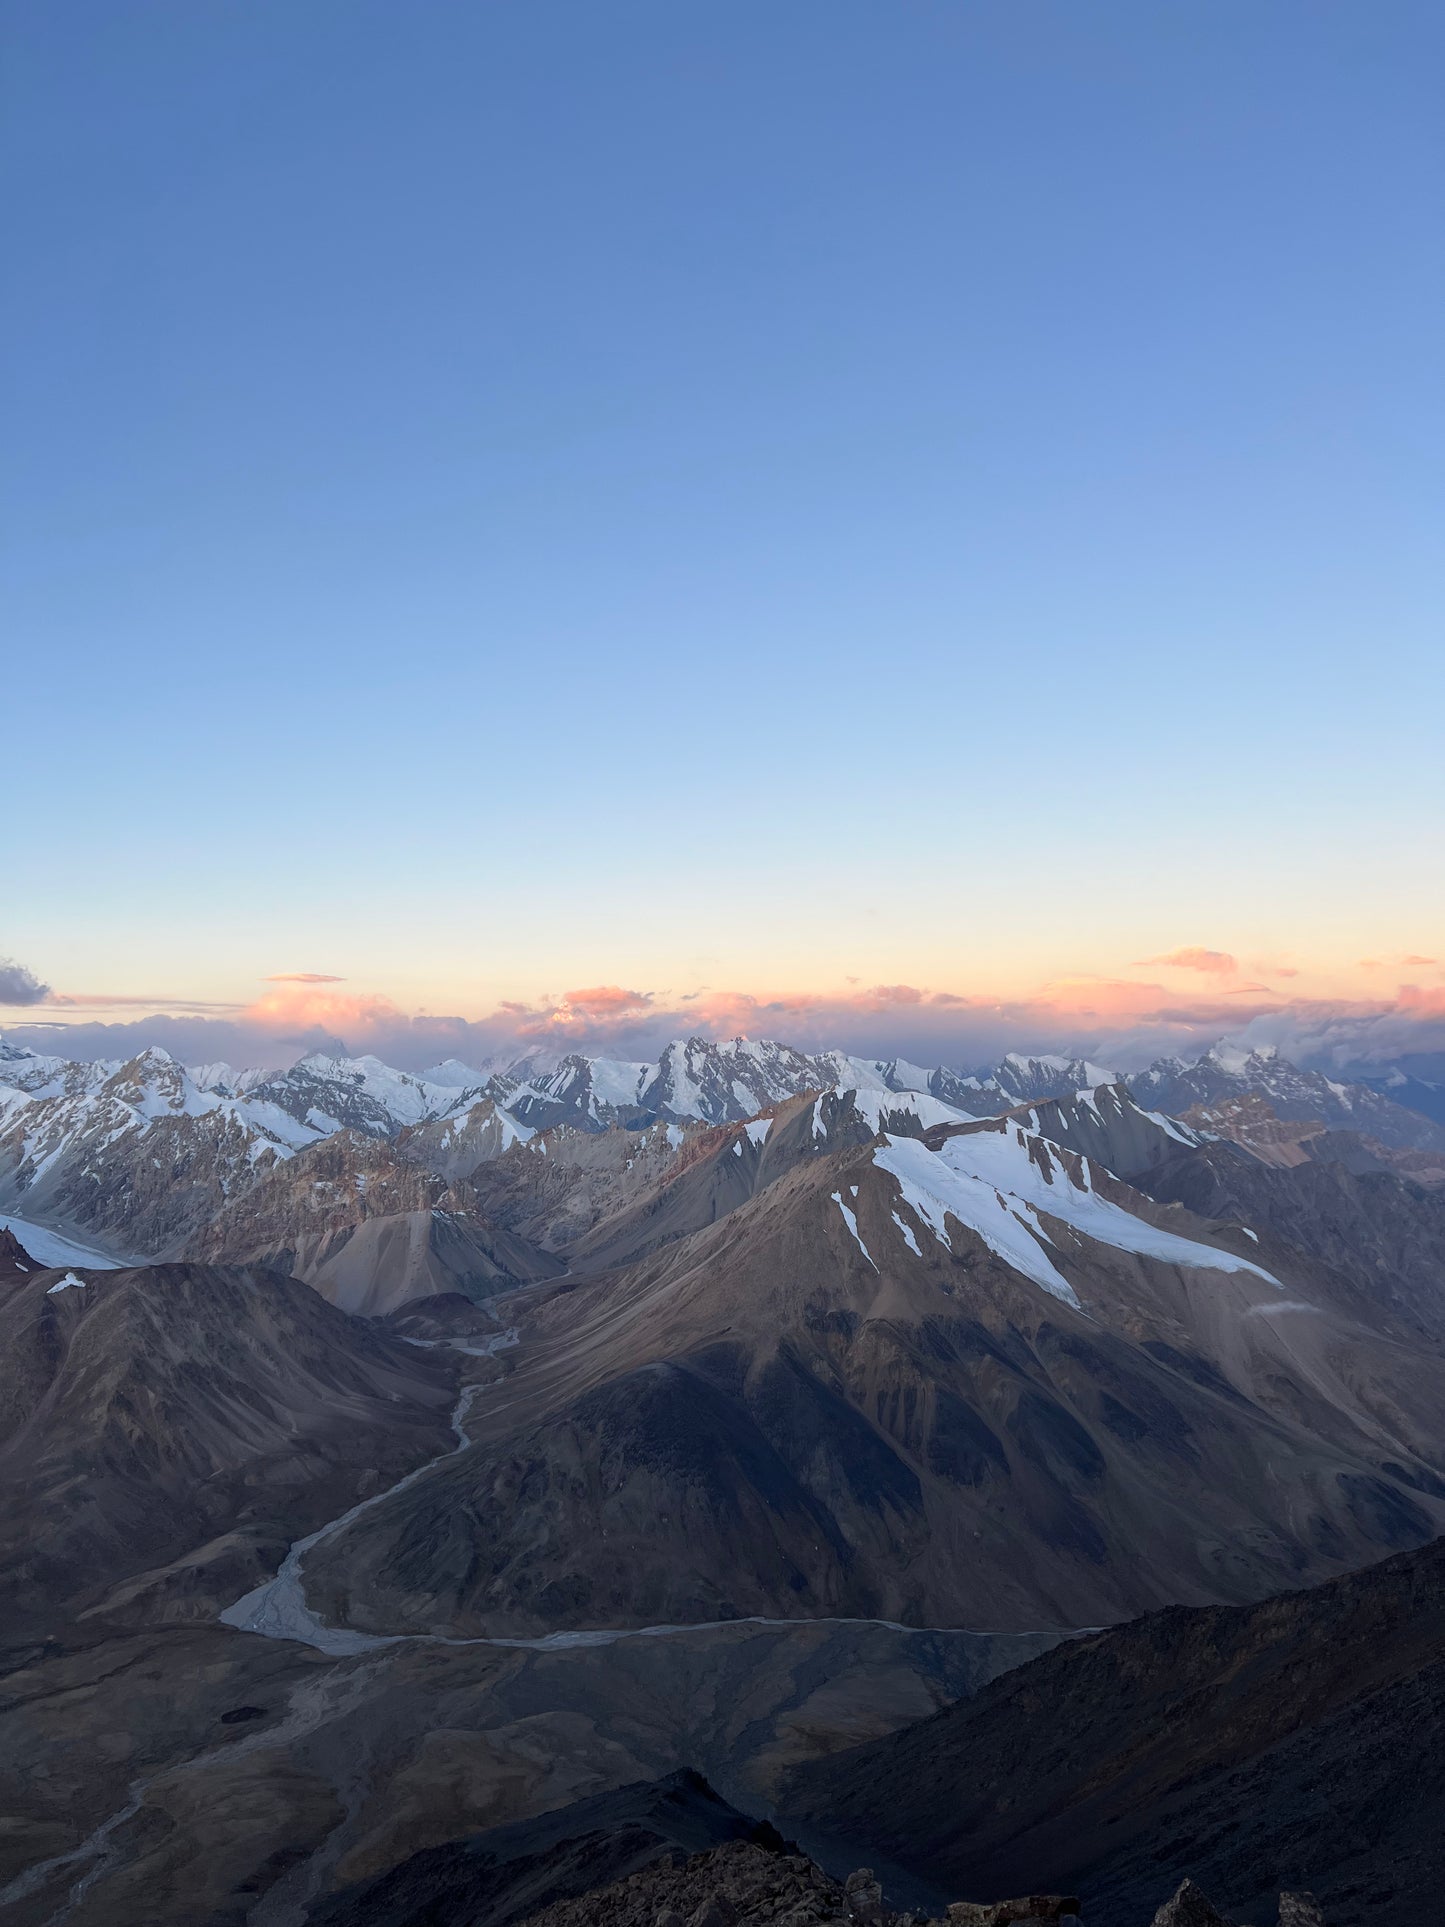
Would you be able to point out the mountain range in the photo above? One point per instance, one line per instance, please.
(419, 1455)
(139, 1157)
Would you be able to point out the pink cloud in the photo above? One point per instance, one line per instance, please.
(304, 1003)
(1214, 963)
(1428, 1002)
(580, 1013)
(885, 994)
(303, 977)
(1111, 1020)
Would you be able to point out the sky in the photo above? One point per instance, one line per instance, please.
(911, 521)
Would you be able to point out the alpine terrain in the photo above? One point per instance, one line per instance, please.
(752, 1480)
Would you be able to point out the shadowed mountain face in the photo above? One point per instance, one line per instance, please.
(968, 1380)
(1292, 1743)
(510, 1873)
(1380, 1236)
(166, 1431)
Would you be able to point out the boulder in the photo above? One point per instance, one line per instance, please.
(1189, 1907)
(864, 1897)
(1300, 1910)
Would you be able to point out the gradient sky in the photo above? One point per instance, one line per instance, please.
(772, 497)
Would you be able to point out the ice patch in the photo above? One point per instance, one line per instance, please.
(65, 1284)
(852, 1223)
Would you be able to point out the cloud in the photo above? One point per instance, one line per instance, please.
(604, 1002)
(303, 977)
(579, 1013)
(305, 1002)
(1213, 963)
(111, 1000)
(1411, 962)
(1117, 1021)
(19, 985)
(886, 994)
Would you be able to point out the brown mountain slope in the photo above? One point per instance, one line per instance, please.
(556, 1187)
(826, 1404)
(174, 1427)
(1299, 1742)
(369, 1229)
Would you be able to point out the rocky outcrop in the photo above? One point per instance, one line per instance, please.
(749, 1884)
(742, 1884)
(1189, 1907)
(1300, 1910)
(15, 1261)
(1033, 1910)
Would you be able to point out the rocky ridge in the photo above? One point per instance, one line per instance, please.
(141, 1156)
(744, 1884)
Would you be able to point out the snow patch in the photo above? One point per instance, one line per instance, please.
(908, 1237)
(850, 1219)
(50, 1249)
(999, 1183)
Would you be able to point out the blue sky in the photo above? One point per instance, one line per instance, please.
(507, 496)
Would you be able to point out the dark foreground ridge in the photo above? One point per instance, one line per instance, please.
(744, 1884)
(672, 1853)
(1294, 1743)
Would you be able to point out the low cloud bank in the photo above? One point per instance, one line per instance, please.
(1114, 1022)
